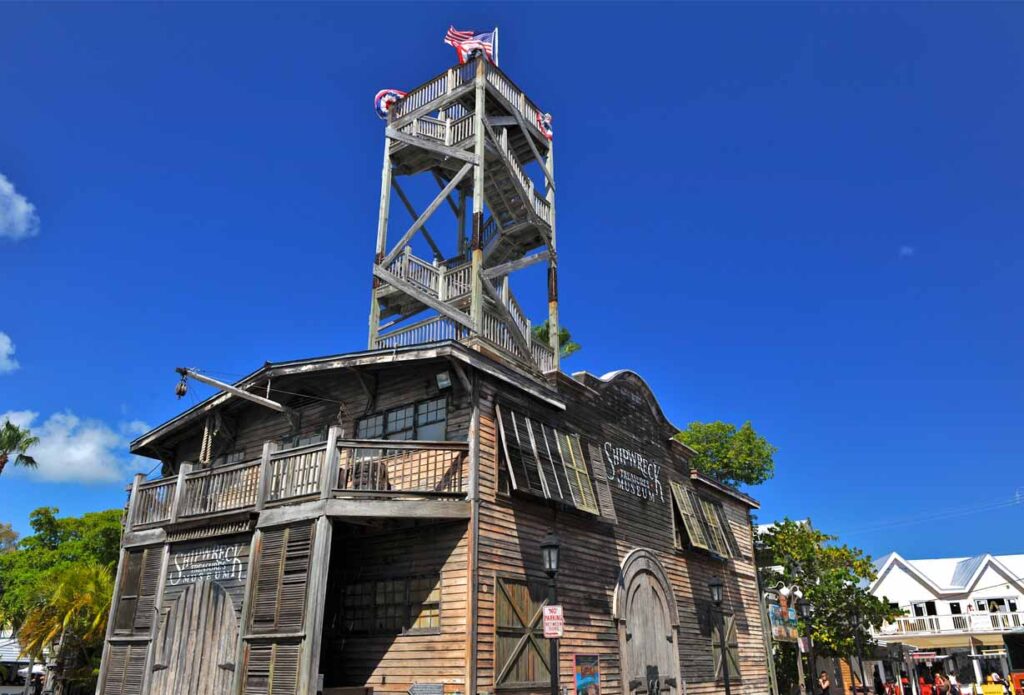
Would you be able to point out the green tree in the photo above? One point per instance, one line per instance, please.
(14, 444)
(729, 454)
(565, 343)
(834, 579)
(8, 538)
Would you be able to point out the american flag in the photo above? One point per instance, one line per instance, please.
(465, 42)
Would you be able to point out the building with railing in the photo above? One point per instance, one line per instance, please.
(372, 522)
(956, 610)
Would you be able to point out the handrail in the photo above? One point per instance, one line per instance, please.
(220, 489)
(965, 622)
(404, 444)
(387, 466)
(428, 330)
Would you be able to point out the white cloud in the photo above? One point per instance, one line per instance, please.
(71, 449)
(907, 251)
(7, 362)
(18, 218)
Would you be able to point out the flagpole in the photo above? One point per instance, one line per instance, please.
(496, 46)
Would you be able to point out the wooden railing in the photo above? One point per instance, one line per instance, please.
(445, 282)
(295, 472)
(543, 355)
(539, 204)
(335, 467)
(969, 622)
(220, 489)
(448, 132)
(429, 330)
(373, 465)
(154, 502)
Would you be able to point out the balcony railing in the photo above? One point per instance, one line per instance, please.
(943, 624)
(335, 468)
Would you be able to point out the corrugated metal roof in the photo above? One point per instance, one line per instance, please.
(965, 570)
(10, 650)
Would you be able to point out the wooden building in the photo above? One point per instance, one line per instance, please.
(372, 521)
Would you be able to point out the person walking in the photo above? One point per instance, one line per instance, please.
(941, 684)
(824, 683)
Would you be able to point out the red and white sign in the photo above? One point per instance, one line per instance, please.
(554, 622)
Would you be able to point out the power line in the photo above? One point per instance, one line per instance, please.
(947, 514)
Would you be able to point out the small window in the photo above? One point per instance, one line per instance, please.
(1012, 603)
(954, 608)
(399, 423)
(980, 605)
(392, 606)
(371, 427)
(705, 522)
(424, 421)
(431, 417)
(923, 608)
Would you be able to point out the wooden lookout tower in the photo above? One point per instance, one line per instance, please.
(478, 136)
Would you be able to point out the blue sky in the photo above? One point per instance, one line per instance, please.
(804, 215)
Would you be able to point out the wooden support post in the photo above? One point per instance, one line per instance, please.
(105, 656)
(263, 492)
(133, 501)
(553, 269)
(442, 291)
(476, 298)
(179, 491)
(316, 594)
(329, 474)
(461, 215)
(472, 552)
(254, 547)
(382, 240)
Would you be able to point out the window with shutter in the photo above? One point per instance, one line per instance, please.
(716, 537)
(688, 515)
(545, 462)
(282, 573)
(520, 650)
(126, 666)
(732, 648)
(140, 575)
(272, 669)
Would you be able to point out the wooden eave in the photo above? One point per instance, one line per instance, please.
(727, 490)
(521, 379)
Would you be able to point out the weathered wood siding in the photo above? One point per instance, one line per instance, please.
(391, 663)
(620, 414)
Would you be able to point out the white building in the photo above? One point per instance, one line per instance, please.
(959, 608)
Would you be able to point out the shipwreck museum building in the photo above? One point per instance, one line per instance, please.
(373, 522)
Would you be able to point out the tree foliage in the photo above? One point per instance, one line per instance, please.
(834, 579)
(14, 444)
(8, 538)
(729, 454)
(565, 343)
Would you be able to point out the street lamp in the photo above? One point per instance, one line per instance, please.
(812, 667)
(715, 586)
(550, 548)
(855, 626)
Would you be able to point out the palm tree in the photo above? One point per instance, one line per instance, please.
(15, 442)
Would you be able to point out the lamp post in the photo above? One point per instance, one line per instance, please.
(550, 548)
(855, 625)
(715, 586)
(812, 667)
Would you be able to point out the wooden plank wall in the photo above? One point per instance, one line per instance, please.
(224, 560)
(624, 414)
(392, 663)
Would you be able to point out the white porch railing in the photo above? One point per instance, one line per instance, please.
(942, 624)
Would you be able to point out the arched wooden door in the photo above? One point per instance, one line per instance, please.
(195, 652)
(648, 623)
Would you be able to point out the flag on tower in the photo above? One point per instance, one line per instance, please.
(385, 99)
(465, 42)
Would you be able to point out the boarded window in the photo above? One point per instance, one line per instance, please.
(731, 645)
(520, 650)
(392, 606)
(544, 461)
(282, 572)
(686, 513)
(272, 669)
(140, 575)
(126, 666)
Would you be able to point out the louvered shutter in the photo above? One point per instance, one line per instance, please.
(520, 456)
(554, 471)
(690, 521)
(295, 577)
(716, 537)
(730, 539)
(149, 580)
(126, 667)
(272, 669)
(604, 493)
(279, 595)
(576, 471)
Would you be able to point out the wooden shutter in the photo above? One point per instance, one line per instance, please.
(282, 574)
(604, 493)
(272, 669)
(716, 537)
(140, 576)
(547, 449)
(731, 646)
(690, 521)
(520, 456)
(126, 667)
(520, 650)
(576, 472)
(730, 539)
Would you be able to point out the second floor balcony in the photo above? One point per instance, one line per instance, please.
(335, 469)
(967, 623)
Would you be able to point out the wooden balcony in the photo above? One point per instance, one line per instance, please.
(375, 469)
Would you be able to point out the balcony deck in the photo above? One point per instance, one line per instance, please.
(938, 630)
(388, 475)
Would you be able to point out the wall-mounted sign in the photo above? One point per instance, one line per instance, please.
(218, 562)
(588, 674)
(633, 472)
(782, 617)
(554, 622)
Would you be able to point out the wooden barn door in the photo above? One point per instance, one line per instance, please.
(197, 642)
(648, 622)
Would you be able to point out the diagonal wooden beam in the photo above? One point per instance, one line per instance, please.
(533, 148)
(506, 316)
(412, 213)
(421, 220)
(512, 266)
(432, 146)
(421, 296)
